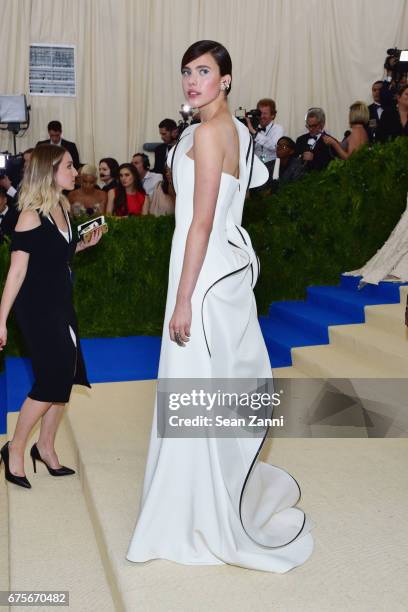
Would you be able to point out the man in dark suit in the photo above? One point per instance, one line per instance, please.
(169, 134)
(375, 109)
(8, 214)
(55, 132)
(310, 147)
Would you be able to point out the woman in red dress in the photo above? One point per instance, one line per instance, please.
(129, 197)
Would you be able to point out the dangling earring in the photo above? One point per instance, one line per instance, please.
(224, 86)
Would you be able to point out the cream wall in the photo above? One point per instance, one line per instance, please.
(301, 53)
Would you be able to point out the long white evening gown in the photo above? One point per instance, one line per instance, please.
(390, 261)
(198, 505)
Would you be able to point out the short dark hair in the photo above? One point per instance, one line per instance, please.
(145, 159)
(376, 83)
(168, 124)
(218, 52)
(402, 89)
(112, 165)
(3, 192)
(290, 142)
(55, 126)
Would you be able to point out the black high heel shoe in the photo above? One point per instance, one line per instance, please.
(62, 471)
(21, 481)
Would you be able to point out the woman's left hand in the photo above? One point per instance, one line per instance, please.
(328, 140)
(95, 238)
(180, 322)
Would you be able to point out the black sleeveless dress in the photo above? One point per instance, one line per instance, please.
(44, 311)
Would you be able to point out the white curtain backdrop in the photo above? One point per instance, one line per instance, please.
(316, 53)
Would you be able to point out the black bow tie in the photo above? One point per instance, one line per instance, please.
(262, 129)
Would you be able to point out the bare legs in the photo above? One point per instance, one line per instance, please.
(31, 411)
(49, 426)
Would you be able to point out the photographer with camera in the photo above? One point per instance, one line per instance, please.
(394, 119)
(8, 215)
(396, 75)
(267, 134)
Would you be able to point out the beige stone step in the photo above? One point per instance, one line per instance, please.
(371, 345)
(52, 540)
(389, 317)
(404, 294)
(327, 361)
(340, 482)
(288, 372)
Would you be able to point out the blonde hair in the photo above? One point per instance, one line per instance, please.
(359, 113)
(88, 169)
(39, 190)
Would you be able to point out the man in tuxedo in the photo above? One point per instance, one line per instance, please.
(375, 109)
(310, 147)
(55, 137)
(169, 133)
(8, 214)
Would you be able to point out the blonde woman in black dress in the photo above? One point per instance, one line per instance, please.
(39, 286)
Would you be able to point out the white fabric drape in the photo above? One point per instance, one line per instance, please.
(317, 53)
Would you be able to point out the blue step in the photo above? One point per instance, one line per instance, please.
(289, 324)
(347, 302)
(3, 403)
(280, 337)
(107, 360)
(121, 359)
(306, 316)
(19, 380)
(384, 289)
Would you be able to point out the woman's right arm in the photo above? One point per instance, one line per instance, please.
(146, 205)
(28, 220)
(111, 201)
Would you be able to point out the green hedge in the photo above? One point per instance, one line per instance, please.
(329, 222)
(306, 234)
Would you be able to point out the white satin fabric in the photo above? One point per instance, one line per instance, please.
(209, 500)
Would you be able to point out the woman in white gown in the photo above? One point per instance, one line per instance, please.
(390, 261)
(209, 500)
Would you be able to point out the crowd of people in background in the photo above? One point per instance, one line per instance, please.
(133, 188)
(384, 119)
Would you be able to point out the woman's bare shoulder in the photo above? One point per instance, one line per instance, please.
(27, 220)
(215, 132)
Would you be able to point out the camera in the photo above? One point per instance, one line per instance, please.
(187, 119)
(397, 63)
(254, 115)
(11, 166)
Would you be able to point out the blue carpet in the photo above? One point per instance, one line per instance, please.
(107, 360)
(292, 324)
(119, 359)
(288, 324)
(3, 403)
